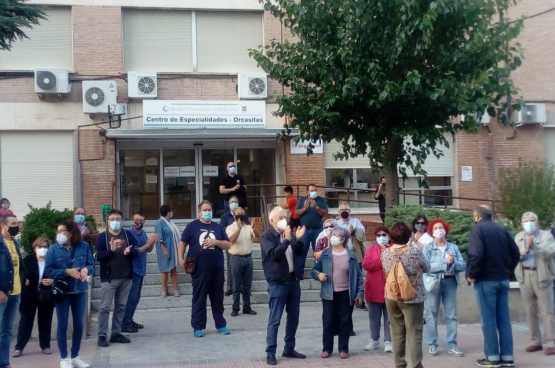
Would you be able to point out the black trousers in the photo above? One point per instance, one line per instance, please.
(208, 283)
(337, 317)
(28, 309)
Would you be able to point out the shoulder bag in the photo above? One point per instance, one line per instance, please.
(191, 262)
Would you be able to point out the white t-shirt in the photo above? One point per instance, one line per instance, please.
(425, 239)
(41, 270)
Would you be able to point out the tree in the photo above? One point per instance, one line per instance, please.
(386, 77)
(15, 15)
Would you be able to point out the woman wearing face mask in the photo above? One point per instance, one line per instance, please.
(5, 207)
(374, 291)
(166, 249)
(35, 295)
(68, 244)
(420, 237)
(323, 240)
(342, 288)
(446, 262)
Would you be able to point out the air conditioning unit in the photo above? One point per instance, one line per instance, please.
(52, 81)
(142, 85)
(532, 113)
(252, 86)
(481, 118)
(98, 95)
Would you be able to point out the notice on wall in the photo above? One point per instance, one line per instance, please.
(466, 173)
(301, 147)
(151, 179)
(187, 171)
(171, 171)
(204, 114)
(210, 171)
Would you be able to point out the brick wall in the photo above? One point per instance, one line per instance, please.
(303, 169)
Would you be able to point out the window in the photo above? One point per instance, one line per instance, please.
(363, 179)
(157, 40)
(50, 44)
(257, 166)
(438, 186)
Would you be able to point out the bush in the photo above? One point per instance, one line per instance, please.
(460, 222)
(43, 222)
(528, 187)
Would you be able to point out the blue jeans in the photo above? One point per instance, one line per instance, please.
(288, 297)
(493, 302)
(8, 312)
(448, 295)
(132, 300)
(77, 303)
(309, 237)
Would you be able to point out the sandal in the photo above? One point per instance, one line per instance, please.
(129, 330)
(137, 325)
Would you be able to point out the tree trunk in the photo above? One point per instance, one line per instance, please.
(391, 171)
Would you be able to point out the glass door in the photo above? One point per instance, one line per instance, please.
(213, 165)
(180, 171)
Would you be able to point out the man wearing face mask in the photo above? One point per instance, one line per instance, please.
(357, 233)
(310, 210)
(233, 185)
(281, 250)
(116, 250)
(145, 245)
(88, 234)
(535, 273)
(11, 283)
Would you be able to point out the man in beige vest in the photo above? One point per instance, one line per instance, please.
(535, 273)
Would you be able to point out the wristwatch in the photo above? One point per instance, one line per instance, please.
(317, 208)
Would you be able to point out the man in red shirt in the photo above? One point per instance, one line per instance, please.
(291, 204)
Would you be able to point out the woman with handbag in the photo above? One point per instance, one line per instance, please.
(69, 261)
(441, 284)
(166, 249)
(37, 294)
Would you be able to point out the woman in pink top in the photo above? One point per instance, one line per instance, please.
(5, 207)
(374, 290)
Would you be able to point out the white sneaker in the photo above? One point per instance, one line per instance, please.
(388, 348)
(66, 363)
(372, 345)
(78, 363)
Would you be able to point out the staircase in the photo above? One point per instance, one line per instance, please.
(150, 297)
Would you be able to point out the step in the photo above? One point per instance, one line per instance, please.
(257, 297)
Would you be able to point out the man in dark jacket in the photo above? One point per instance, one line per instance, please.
(280, 251)
(116, 249)
(492, 257)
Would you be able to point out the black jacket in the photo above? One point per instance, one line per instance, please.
(104, 253)
(274, 261)
(492, 252)
(29, 295)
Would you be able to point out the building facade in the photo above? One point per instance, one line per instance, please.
(174, 148)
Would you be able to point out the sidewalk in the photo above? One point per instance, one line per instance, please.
(167, 341)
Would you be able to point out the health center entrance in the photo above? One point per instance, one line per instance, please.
(182, 177)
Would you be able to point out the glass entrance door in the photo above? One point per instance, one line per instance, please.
(180, 171)
(213, 164)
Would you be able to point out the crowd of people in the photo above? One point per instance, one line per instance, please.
(411, 271)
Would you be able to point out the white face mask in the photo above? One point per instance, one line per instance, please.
(41, 252)
(335, 241)
(61, 239)
(439, 233)
(282, 224)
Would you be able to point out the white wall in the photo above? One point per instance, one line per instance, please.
(176, 4)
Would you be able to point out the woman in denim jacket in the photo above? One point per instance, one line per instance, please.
(342, 287)
(446, 262)
(57, 267)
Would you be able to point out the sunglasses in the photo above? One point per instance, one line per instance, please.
(329, 227)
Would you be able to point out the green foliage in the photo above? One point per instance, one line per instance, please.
(384, 77)
(14, 16)
(43, 222)
(460, 222)
(529, 187)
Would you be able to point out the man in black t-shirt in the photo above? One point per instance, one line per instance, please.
(233, 184)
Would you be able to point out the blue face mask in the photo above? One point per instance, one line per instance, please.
(79, 219)
(233, 206)
(313, 195)
(115, 225)
(382, 240)
(232, 170)
(207, 215)
(530, 226)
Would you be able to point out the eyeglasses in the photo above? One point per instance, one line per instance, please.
(141, 221)
(329, 227)
(43, 246)
(114, 219)
(381, 234)
(421, 222)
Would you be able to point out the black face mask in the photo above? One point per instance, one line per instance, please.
(240, 218)
(138, 225)
(13, 230)
(344, 215)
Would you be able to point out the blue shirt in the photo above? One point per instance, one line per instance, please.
(139, 263)
(529, 260)
(228, 218)
(193, 236)
(311, 219)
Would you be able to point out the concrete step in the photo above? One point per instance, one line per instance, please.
(257, 297)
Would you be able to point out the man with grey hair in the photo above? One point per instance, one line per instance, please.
(492, 257)
(535, 273)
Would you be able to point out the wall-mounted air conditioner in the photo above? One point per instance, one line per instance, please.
(532, 113)
(142, 85)
(252, 86)
(52, 81)
(98, 95)
(479, 118)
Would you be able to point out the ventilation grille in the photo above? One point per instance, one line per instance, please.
(146, 85)
(46, 80)
(94, 96)
(257, 86)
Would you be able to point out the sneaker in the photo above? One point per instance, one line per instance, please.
(507, 363)
(372, 345)
(102, 342)
(224, 331)
(77, 362)
(66, 363)
(119, 338)
(17, 353)
(198, 333)
(489, 363)
(433, 350)
(455, 351)
(388, 347)
(47, 351)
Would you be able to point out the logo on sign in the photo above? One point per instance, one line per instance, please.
(244, 109)
(166, 109)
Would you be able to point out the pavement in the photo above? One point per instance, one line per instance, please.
(167, 341)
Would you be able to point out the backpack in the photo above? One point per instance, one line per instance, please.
(397, 285)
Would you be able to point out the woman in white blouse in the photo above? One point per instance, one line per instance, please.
(420, 237)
